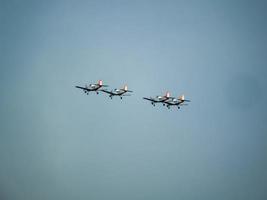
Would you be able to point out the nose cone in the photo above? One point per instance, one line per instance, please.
(100, 82)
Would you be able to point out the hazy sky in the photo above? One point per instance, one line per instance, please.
(57, 143)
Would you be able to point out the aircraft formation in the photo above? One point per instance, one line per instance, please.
(97, 87)
(165, 100)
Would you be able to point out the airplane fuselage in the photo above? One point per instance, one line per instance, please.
(118, 92)
(174, 102)
(94, 87)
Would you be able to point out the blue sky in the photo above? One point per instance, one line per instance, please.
(57, 143)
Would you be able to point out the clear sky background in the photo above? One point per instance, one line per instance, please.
(58, 144)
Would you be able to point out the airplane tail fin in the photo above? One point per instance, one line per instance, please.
(125, 88)
(167, 94)
(100, 82)
(181, 97)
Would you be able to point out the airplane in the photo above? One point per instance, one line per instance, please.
(159, 99)
(180, 101)
(118, 92)
(92, 87)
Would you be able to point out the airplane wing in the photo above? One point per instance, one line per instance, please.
(149, 99)
(83, 88)
(108, 92)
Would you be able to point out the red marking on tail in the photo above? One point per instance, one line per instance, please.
(100, 82)
(167, 94)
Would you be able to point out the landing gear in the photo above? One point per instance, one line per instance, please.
(178, 107)
(168, 107)
(97, 92)
(164, 104)
(110, 96)
(121, 97)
